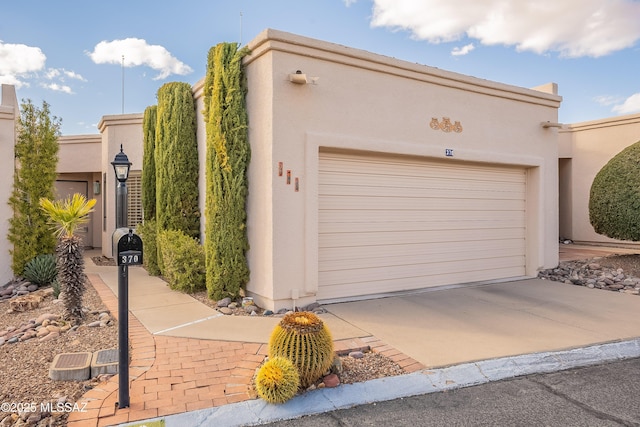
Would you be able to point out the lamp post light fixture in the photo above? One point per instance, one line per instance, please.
(121, 166)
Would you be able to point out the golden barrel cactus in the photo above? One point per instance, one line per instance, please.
(304, 339)
(277, 380)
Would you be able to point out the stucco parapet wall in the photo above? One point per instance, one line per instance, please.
(7, 113)
(80, 139)
(603, 123)
(275, 40)
(120, 119)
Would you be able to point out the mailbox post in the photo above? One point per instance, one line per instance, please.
(127, 249)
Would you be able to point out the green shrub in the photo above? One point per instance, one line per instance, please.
(149, 162)
(176, 160)
(148, 233)
(614, 201)
(277, 380)
(41, 270)
(36, 159)
(228, 155)
(183, 261)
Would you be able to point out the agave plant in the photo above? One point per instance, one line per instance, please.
(66, 216)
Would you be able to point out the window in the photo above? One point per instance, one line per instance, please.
(134, 199)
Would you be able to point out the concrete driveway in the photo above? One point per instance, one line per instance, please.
(448, 327)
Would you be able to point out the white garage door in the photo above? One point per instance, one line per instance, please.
(399, 223)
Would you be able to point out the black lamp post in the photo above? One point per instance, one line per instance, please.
(121, 166)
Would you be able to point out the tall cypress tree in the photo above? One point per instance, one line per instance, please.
(228, 155)
(36, 154)
(176, 160)
(149, 162)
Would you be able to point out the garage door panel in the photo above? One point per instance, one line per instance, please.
(403, 237)
(412, 259)
(415, 170)
(373, 287)
(414, 203)
(417, 183)
(397, 223)
(485, 192)
(355, 275)
(443, 224)
(426, 250)
(330, 216)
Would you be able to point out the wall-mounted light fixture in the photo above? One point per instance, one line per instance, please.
(96, 188)
(549, 124)
(300, 78)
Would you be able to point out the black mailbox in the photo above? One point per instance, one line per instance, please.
(127, 247)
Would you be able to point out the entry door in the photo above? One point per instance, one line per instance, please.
(66, 189)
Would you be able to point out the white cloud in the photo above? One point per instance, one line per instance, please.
(459, 51)
(18, 60)
(57, 88)
(572, 27)
(137, 52)
(349, 2)
(607, 100)
(630, 105)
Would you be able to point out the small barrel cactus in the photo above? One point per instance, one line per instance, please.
(305, 340)
(277, 380)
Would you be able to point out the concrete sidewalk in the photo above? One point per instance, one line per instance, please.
(448, 329)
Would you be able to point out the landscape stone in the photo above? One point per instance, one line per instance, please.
(331, 381)
(225, 310)
(224, 302)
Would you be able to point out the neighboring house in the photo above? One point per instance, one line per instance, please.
(584, 149)
(371, 175)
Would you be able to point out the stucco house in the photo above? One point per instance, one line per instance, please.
(370, 175)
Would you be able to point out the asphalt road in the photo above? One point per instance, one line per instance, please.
(602, 395)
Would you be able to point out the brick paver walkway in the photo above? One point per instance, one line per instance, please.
(170, 375)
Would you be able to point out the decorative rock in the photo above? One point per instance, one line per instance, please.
(13, 340)
(233, 305)
(53, 328)
(95, 324)
(32, 288)
(224, 302)
(267, 313)
(42, 332)
(47, 316)
(331, 381)
(104, 317)
(50, 336)
(356, 354)
(283, 311)
(250, 308)
(311, 307)
(225, 310)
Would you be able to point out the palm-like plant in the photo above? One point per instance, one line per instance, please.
(66, 216)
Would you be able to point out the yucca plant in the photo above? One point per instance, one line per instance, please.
(67, 216)
(277, 380)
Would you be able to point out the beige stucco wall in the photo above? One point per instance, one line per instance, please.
(9, 116)
(116, 130)
(80, 159)
(588, 146)
(364, 101)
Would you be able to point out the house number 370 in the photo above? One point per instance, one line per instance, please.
(130, 259)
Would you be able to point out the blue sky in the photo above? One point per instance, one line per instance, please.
(69, 52)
